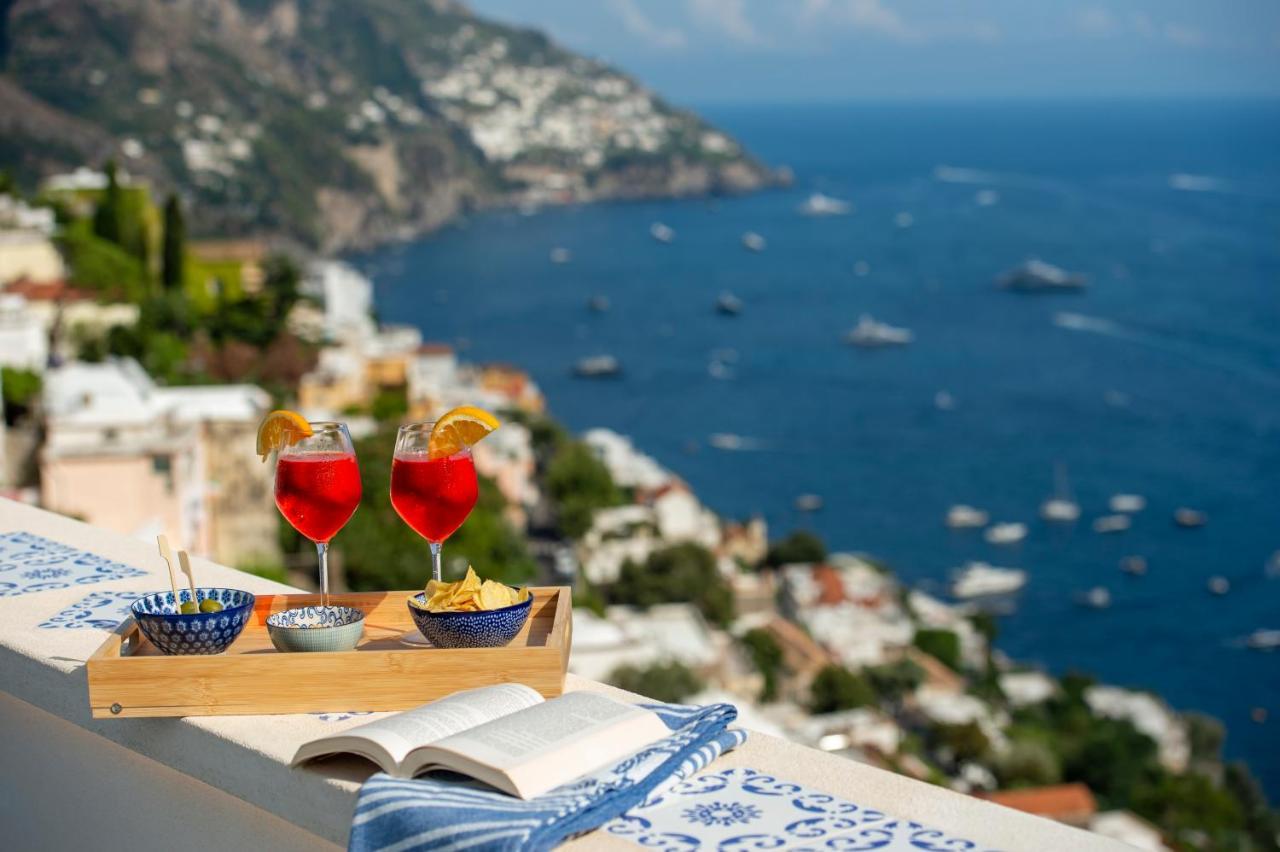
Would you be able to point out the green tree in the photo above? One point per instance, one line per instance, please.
(836, 688)
(21, 389)
(799, 547)
(380, 551)
(965, 742)
(1028, 763)
(1260, 821)
(109, 214)
(677, 574)
(578, 483)
(671, 682)
(893, 681)
(390, 405)
(1205, 735)
(943, 645)
(173, 258)
(1190, 803)
(1112, 757)
(766, 654)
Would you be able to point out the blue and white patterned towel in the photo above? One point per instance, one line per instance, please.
(395, 815)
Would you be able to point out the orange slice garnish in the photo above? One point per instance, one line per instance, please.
(458, 429)
(281, 429)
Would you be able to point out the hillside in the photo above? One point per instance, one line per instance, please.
(337, 123)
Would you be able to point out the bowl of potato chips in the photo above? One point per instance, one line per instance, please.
(470, 613)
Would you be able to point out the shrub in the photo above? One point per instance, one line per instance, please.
(766, 654)
(1028, 764)
(836, 688)
(800, 546)
(943, 645)
(681, 573)
(672, 681)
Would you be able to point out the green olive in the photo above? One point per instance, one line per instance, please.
(210, 605)
(188, 608)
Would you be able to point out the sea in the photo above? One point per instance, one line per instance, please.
(1161, 379)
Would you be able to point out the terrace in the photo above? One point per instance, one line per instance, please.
(224, 782)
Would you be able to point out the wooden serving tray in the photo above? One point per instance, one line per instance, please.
(129, 677)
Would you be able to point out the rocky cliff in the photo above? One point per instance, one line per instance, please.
(338, 123)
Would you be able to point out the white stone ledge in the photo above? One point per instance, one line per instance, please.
(247, 756)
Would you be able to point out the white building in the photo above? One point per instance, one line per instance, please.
(1149, 715)
(681, 518)
(627, 636)
(16, 214)
(432, 373)
(629, 467)
(1024, 689)
(24, 344)
(347, 297)
(29, 254)
(130, 456)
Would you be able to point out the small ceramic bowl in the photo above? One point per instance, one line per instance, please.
(488, 628)
(316, 628)
(199, 632)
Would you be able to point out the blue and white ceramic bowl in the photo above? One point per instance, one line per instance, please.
(199, 632)
(488, 628)
(316, 628)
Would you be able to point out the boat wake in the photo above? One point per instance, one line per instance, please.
(1198, 183)
(1200, 354)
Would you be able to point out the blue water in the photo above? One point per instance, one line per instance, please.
(1178, 400)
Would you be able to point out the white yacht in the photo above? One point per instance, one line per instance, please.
(1099, 597)
(1189, 518)
(1112, 524)
(1134, 565)
(979, 579)
(1005, 533)
(944, 401)
(869, 333)
(824, 205)
(1036, 276)
(1127, 503)
(751, 241)
(964, 517)
(1219, 585)
(597, 367)
(560, 254)
(598, 304)
(1060, 507)
(1263, 640)
(808, 502)
(662, 233)
(728, 304)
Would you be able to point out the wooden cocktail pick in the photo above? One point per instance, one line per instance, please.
(162, 542)
(185, 562)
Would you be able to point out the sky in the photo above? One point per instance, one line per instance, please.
(709, 51)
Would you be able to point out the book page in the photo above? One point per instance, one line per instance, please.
(552, 743)
(399, 734)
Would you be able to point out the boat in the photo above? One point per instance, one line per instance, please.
(1005, 533)
(1112, 524)
(1127, 503)
(1060, 508)
(1263, 640)
(751, 241)
(818, 204)
(808, 503)
(963, 517)
(986, 198)
(870, 334)
(560, 254)
(1189, 518)
(904, 220)
(1036, 276)
(944, 401)
(729, 441)
(1099, 597)
(1218, 585)
(598, 304)
(662, 233)
(718, 369)
(728, 304)
(1134, 565)
(597, 367)
(980, 579)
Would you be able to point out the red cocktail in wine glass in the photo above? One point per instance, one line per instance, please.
(432, 493)
(318, 488)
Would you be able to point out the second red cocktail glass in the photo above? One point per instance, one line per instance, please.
(432, 495)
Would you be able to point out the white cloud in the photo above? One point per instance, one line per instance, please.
(638, 24)
(876, 18)
(727, 16)
(1183, 35)
(1098, 22)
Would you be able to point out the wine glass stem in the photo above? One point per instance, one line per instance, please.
(323, 550)
(435, 559)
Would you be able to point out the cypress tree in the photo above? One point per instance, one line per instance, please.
(107, 217)
(175, 239)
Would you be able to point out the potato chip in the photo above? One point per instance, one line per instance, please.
(471, 594)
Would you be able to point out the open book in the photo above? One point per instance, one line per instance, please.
(507, 736)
